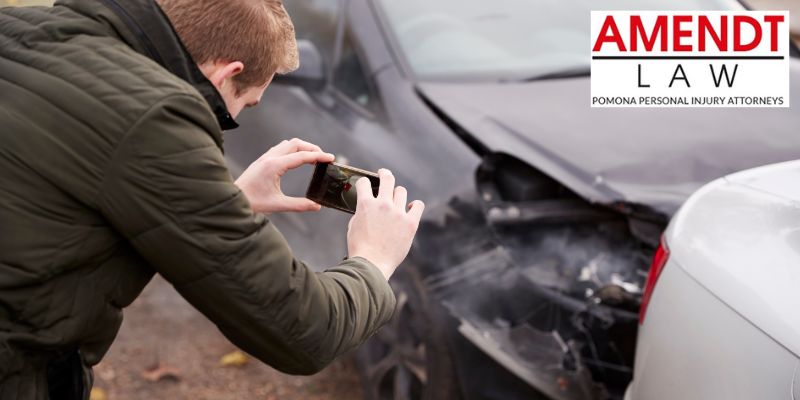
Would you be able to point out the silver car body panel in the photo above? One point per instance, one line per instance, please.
(723, 320)
(692, 346)
(740, 238)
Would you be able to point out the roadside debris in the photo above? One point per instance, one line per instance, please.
(98, 394)
(161, 372)
(234, 359)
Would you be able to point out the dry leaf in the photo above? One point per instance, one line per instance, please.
(234, 359)
(161, 372)
(98, 394)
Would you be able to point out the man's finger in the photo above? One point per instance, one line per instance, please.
(294, 160)
(363, 189)
(400, 197)
(415, 210)
(386, 190)
(291, 146)
(297, 204)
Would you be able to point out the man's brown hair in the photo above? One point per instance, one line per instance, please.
(259, 33)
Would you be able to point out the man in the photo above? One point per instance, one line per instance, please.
(112, 170)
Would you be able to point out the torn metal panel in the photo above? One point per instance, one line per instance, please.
(554, 303)
(536, 357)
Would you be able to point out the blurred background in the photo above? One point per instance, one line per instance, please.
(792, 5)
(167, 350)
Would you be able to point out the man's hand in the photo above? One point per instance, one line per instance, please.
(383, 228)
(261, 182)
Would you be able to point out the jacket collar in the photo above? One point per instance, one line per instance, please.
(144, 26)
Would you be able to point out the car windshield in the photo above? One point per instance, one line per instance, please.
(507, 40)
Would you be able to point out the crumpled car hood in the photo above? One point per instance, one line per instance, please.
(651, 156)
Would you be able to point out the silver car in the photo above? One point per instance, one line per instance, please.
(720, 316)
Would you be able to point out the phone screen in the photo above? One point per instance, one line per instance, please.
(334, 185)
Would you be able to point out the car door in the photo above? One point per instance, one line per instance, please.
(343, 118)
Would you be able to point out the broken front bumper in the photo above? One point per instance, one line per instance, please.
(553, 303)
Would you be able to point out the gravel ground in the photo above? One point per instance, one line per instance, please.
(162, 330)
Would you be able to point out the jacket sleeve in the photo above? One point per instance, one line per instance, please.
(168, 191)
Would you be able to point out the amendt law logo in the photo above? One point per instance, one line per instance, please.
(690, 59)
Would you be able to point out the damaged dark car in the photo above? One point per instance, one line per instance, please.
(543, 213)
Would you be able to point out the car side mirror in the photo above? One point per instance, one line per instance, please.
(311, 74)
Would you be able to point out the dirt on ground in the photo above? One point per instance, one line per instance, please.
(168, 350)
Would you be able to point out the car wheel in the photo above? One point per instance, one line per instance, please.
(409, 358)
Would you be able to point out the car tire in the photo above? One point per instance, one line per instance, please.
(409, 358)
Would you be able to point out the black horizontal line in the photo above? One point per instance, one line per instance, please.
(687, 57)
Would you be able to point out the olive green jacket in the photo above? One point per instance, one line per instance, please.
(111, 170)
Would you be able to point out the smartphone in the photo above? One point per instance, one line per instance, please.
(334, 185)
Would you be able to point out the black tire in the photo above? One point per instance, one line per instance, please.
(409, 358)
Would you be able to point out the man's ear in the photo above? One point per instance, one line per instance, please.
(219, 72)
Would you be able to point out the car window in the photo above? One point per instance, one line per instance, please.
(507, 40)
(350, 77)
(316, 20)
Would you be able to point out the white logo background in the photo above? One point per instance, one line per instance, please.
(616, 82)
